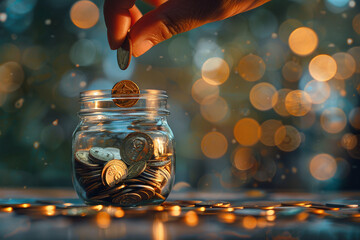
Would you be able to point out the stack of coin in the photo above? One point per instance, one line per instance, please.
(129, 176)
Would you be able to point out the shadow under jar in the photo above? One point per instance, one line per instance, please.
(123, 156)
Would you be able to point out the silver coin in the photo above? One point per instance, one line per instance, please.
(100, 155)
(158, 163)
(114, 151)
(82, 157)
(136, 147)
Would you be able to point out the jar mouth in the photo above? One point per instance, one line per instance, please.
(106, 94)
(147, 102)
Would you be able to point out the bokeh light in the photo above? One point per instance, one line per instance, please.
(318, 91)
(249, 222)
(201, 90)
(251, 68)
(287, 138)
(355, 53)
(303, 41)
(349, 141)
(356, 23)
(247, 131)
(333, 120)
(354, 118)
(214, 145)
(292, 71)
(346, 65)
(243, 158)
(261, 96)
(278, 102)
(214, 109)
(268, 130)
(322, 67)
(287, 27)
(215, 71)
(323, 167)
(11, 77)
(298, 103)
(84, 14)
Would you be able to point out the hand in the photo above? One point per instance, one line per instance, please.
(166, 20)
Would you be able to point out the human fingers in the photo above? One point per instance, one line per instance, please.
(177, 16)
(118, 20)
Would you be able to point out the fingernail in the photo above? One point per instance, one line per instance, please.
(141, 47)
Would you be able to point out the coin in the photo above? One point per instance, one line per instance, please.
(100, 155)
(136, 169)
(114, 151)
(124, 54)
(158, 163)
(125, 87)
(128, 199)
(136, 147)
(82, 158)
(114, 172)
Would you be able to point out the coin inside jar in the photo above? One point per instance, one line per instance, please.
(125, 87)
(136, 147)
(100, 155)
(127, 199)
(136, 169)
(114, 151)
(113, 173)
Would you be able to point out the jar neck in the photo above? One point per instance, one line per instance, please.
(101, 104)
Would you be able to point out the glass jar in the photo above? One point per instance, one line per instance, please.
(123, 156)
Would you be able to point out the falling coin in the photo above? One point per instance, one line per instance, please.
(125, 87)
(114, 172)
(124, 54)
(136, 169)
(136, 147)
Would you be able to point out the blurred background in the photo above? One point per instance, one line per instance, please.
(268, 99)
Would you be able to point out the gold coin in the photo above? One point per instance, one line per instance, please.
(136, 169)
(127, 199)
(136, 147)
(113, 173)
(123, 88)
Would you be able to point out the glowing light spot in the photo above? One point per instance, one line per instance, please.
(268, 129)
(215, 71)
(346, 65)
(287, 138)
(7, 209)
(322, 67)
(349, 141)
(11, 77)
(355, 53)
(278, 102)
(251, 68)
(214, 145)
(323, 167)
(103, 220)
(354, 118)
(247, 131)
(84, 14)
(119, 213)
(356, 23)
(214, 109)
(318, 91)
(292, 71)
(191, 218)
(159, 231)
(303, 41)
(261, 95)
(249, 222)
(55, 122)
(243, 158)
(36, 145)
(298, 103)
(333, 120)
(227, 217)
(287, 27)
(175, 211)
(201, 89)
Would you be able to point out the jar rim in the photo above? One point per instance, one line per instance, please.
(106, 93)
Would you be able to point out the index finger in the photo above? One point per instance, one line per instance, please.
(118, 20)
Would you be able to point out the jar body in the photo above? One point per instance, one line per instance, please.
(123, 160)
